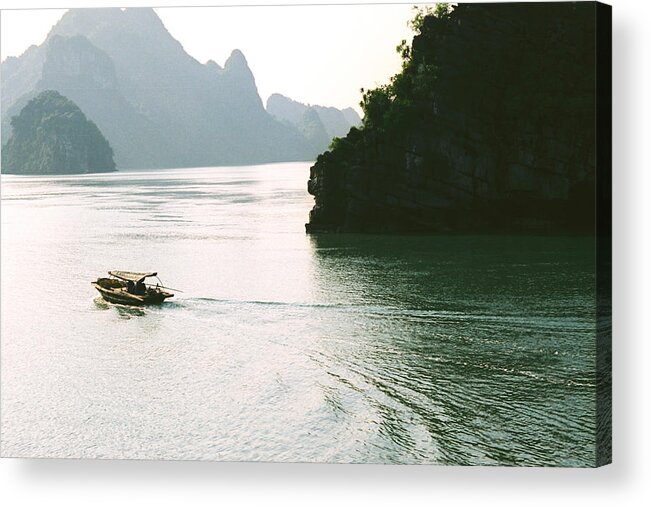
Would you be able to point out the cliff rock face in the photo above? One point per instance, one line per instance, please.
(52, 136)
(490, 126)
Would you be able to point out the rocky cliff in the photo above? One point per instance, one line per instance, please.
(490, 126)
(52, 136)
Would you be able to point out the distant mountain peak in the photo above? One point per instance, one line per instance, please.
(108, 14)
(237, 60)
(107, 27)
(337, 123)
(78, 20)
(144, 17)
(237, 68)
(280, 97)
(141, 13)
(212, 64)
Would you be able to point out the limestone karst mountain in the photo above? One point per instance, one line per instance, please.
(336, 122)
(157, 106)
(51, 135)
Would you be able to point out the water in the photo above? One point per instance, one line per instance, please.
(283, 346)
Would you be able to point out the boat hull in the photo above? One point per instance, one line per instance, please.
(115, 292)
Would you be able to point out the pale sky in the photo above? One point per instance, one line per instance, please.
(313, 54)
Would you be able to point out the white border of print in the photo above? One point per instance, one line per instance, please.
(123, 483)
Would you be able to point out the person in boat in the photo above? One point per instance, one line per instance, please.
(131, 287)
(140, 288)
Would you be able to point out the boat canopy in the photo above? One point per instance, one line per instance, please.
(131, 275)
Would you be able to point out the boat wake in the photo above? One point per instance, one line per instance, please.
(125, 311)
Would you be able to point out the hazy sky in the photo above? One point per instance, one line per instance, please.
(314, 54)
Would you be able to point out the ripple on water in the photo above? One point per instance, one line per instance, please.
(282, 346)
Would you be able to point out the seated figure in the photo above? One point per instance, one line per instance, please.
(140, 288)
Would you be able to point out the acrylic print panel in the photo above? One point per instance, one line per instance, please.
(263, 233)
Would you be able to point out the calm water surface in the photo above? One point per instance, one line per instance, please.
(283, 346)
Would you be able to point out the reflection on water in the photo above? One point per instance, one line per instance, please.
(286, 347)
(124, 311)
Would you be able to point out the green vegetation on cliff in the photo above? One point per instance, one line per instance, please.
(51, 135)
(489, 126)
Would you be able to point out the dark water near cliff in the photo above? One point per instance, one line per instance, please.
(285, 347)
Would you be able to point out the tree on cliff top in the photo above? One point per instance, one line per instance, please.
(496, 76)
(51, 135)
(394, 102)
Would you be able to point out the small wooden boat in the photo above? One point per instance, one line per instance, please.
(129, 288)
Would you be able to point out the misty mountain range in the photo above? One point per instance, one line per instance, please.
(318, 123)
(156, 105)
